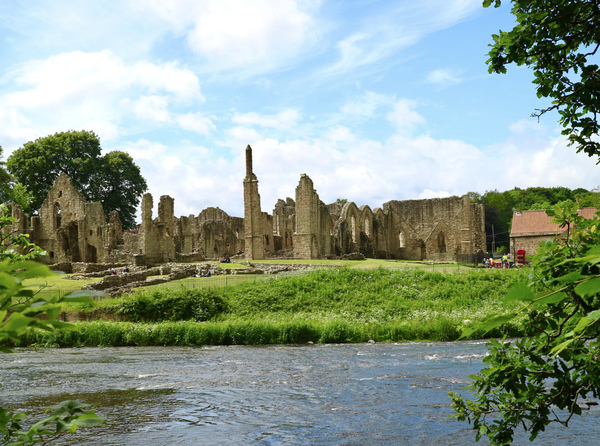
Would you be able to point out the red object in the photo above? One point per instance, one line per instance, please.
(520, 256)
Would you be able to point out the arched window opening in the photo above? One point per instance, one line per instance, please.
(57, 214)
(227, 242)
(401, 240)
(215, 252)
(168, 233)
(441, 242)
(353, 222)
(99, 232)
(368, 227)
(278, 217)
(237, 233)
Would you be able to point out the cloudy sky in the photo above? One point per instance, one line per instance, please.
(374, 100)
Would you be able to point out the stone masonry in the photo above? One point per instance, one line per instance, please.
(70, 229)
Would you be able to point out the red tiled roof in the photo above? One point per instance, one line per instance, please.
(532, 222)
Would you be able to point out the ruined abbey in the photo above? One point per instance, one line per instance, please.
(71, 230)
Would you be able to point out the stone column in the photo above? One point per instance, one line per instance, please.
(254, 249)
(305, 236)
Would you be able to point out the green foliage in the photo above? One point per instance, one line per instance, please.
(173, 305)
(524, 381)
(499, 206)
(5, 179)
(65, 417)
(559, 40)
(21, 312)
(15, 245)
(112, 179)
(321, 306)
(22, 197)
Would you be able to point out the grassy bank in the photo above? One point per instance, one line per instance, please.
(346, 305)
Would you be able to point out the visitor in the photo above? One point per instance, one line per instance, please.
(126, 270)
(207, 274)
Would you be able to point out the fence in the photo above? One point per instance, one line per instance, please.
(469, 259)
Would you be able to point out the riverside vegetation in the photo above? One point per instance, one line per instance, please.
(321, 306)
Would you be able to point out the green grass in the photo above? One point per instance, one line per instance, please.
(367, 263)
(57, 284)
(327, 305)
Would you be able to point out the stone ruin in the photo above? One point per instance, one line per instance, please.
(72, 230)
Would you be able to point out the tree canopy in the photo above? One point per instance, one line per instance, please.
(559, 40)
(113, 179)
(499, 206)
(543, 378)
(5, 179)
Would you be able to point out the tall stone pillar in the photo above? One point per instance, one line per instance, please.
(252, 215)
(307, 220)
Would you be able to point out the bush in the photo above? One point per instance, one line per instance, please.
(173, 305)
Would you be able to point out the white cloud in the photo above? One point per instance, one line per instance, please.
(428, 193)
(283, 120)
(403, 117)
(367, 104)
(92, 91)
(444, 77)
(153, 108)
(339, 133)
(399, 27)
(144, 149)
(237, 33)
(527, 126)
(196, 122)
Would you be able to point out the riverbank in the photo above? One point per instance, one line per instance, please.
(322, 306)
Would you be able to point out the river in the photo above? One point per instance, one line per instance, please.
(350, 394)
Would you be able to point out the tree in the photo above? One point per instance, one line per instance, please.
(112, 179)
(543, 378)
(558, 39)
(22, 310)
(5, 179)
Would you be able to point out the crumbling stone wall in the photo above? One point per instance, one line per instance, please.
(284, 223)
(70, 229)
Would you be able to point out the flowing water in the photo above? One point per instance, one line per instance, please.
(351, 394)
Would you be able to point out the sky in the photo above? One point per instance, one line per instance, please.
(373, 100)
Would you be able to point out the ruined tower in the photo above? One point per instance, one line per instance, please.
(252, 214)
(307, 220)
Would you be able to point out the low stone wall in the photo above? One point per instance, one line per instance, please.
(81, 267)
(117, 284)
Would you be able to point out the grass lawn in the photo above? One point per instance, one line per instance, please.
(368, 263)
(57, 284)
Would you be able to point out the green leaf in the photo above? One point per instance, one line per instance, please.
(492, 322)
(588, 288)
(89, 419)
(518, 291)
(550, 298)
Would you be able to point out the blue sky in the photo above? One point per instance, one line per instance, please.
(374, 100)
